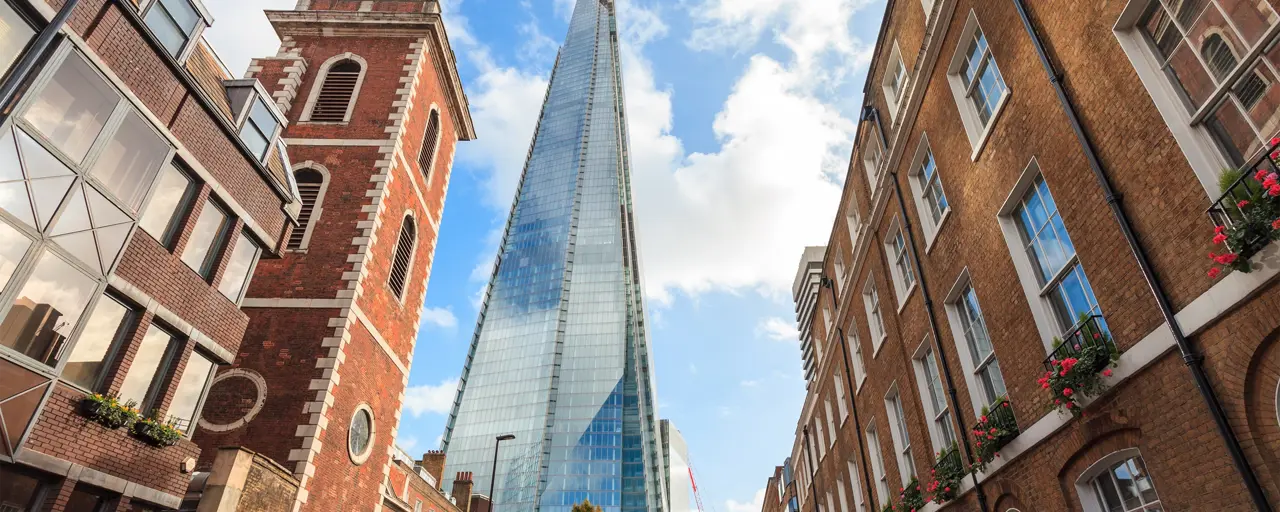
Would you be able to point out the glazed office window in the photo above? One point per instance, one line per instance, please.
(47, 309)
(430, 144)
(337, 95)
(72, 108)
(240, 264)
(15, 33)
(311, 185)
(149, 364)
(206, 239)
(941, 431)
(986, 368)
(1125, 486)
(904, 277)
(875, 320)
(174, 23)
(184, 409)
(259, 128)
(1219, 61)
(901, 437)
(169, 204)
(976, 82)
(102, 334)
(1063, 283)
(130, 161)
(402, 257)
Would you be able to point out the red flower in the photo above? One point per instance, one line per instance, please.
(984, 419)
(993, 431)
(1214, 273)
(1106, 373)
(1242, 204)
(1063, 374)
(1006, 404)
(1227, 259)
(1213, 256)
(1260, 175)
(948, 489)
(1218, 239)
(1070, 404)
(1097, 335)
(979, 443)
(1267, 183)
(1274, 190)
(1275, 141)
(1218, 230)
(1066, 392)
(1057, 401)
(1276, 224)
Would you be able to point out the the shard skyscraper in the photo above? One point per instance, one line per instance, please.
(560, 357)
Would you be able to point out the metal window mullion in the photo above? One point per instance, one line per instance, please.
(1213, 4)
(1243, 65)
(1061, 274)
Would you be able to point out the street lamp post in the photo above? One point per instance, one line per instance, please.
(493, 475)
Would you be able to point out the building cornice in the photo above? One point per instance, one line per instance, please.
(427, 24)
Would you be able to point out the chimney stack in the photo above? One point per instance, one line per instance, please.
(433, 464)
(462, 491)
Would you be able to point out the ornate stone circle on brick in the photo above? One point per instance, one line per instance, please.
(259, 399)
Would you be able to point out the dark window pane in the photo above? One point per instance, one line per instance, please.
(253, 138)
(146, 363)
(47, 309)
(14, 35)
(360, 432)
(84, 501)
(18, 492)
(71, 110)
(183, 13)
(169, 34)
(89, 356)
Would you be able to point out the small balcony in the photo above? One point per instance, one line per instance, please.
(949, 462)
(1246, 212)
(1089, 342)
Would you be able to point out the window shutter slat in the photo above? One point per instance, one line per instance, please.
(309, 184)
(431, 139)
(402, 257)
(334, 98)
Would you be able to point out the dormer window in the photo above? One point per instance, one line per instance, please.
(258, 121)
(175, 23)
(259, 127)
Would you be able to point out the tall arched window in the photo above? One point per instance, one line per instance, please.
(310, 185)
(337, 94)
(1222, 61)
(402, 258)
(430, 141)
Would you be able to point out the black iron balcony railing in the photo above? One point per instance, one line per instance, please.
(1090, 342)
(1234, 208)
(949, 462)
(1000, 415)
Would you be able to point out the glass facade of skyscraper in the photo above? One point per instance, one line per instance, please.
(560, 358)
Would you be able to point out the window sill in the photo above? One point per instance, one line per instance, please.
(986, 132)
(902, 301)
(323, 123)
(876, 352)
(860, 381)
(933, 236)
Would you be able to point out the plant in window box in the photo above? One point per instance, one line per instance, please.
(996, 426)
(106, 410)
(155, 432)
(1247, 215)
(948, 473)
(888, 507)
(911, 499)
(1077, 374)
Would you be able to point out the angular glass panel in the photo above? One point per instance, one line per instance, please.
(38, 162)
(169, 193)
(82, 246)
(146, 363)
(191, 386)
(47, 195)
(104, 212)
(47, 309)
(111, 241)
(75, 217)
(14, 200)
(183, 13)
(89, 357)
(10, 167)
(169, 34)
(14, 35)
(13, 245)
(261, 115)
(254, 138)
(73, 107)
(130, 161)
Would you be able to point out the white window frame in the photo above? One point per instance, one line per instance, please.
(822, 439)
(875, 316)
(206, 20)
(839, 266)
(859, 501)
(853, 219)
(831, 424)
(1084, 483)
(841, 397)
(937, 436)
(321, 75)
(877, 462)
(246, 112)
(859, 366)
(872, 158)
(896, 68)
(831, 503)
(900, 262)
(817, 340)
(978, 132)
(844, 496)
(928, 7)
(897, 413)
(1207, 161)
(1041, 309)
(953, 309)
(930, 226)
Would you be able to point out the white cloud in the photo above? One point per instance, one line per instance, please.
(440, 317)
(430, 399)
(241, 32)
(756, 504)
(749, 383)
(778, 329)
(407, 443)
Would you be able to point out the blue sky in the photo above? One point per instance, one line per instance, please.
(742, 114)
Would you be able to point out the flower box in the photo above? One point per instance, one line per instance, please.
(108, 411)
(1246, 216)
(995, 428)
(948, 473)
(156, 433)
(1075, 368)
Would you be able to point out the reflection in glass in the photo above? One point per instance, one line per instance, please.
(200, 252)
(173, 22)
(258, 128)
(88, 358)
(236, 277)
(146, 363)
(14, 35)
(85, 501)
(163, 208)
(71, 110)
(13, 245)
(47, 309)
(359, 435)
(191, 386)
(18, 492)
(130, 160)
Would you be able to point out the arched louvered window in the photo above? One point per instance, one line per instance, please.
(334, 99)
(430, 141)
(310, 184)
(403, 257)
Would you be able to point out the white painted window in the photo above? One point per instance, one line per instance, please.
(855, 484)
(831, 425)
(871, 302)
(844, 496)
(926, 187)
(821, 438)
(877, 464)
(894, 83)
(337, 94)
(901, 436)
(1208, 66)
(840, 268)
(859, 368)
(872, 154)
(973, 345)
(895, 245)
(840, 398)
(831, 503)
(929, 380)
(852, 220)
(1119, 482)
(1042, 251)
(928, 7)
(979, 88)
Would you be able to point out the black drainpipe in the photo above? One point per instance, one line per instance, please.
(32, 58)
(813, 470)
(1193, 360)
(853, 404)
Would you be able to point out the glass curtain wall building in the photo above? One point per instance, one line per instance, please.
(560, 357)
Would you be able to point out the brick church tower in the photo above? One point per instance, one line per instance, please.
(375, 109)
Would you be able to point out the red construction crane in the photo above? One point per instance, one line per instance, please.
(697, 496)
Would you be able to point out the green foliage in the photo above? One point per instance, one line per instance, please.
(1252, 203)
(1080, 376)
(156, 432)
(586, 506)
(948, 474)
(911, 499)
(1227, 178)
(996, 426)
(107, 411)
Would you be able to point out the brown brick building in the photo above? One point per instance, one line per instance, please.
(204, 250)
(1029, 173)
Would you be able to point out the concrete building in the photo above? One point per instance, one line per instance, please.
(805, 293)
(677, 474)
(1000, 217)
